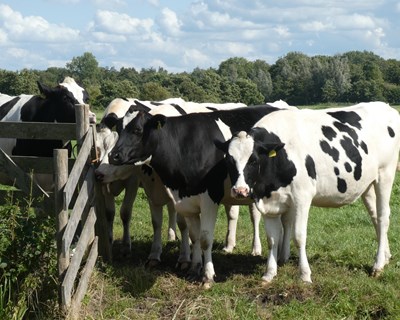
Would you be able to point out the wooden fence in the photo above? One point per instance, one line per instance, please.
(73, 199)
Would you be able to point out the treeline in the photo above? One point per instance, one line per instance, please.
(296, 78)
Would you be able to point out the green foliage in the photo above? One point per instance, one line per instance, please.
(296, 78)
(27, 252)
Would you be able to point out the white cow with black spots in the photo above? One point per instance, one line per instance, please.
(293, 159)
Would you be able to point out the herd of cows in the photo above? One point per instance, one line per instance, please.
(192, 157)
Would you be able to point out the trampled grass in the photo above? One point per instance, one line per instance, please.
(341, 248)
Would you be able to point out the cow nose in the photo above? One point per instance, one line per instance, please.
(99, 176)
(114, 157)
(240, 192)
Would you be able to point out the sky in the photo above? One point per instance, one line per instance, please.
(181, 35)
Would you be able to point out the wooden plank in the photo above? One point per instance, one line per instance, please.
(22, 180)
(37, 164)
(76, 171)
(84, 279)
(86, 192)
(38, 130)
(70, 276)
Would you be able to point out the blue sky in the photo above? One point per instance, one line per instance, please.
(180, 35)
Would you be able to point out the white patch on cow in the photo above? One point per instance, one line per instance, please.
(128, 118)
(145, 161)
(241, 148)
(74, 88)
(119, 107)
(225, 130)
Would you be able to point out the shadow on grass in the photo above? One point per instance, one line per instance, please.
(137, 278)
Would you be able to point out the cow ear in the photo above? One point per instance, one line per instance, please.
(222, 145)
(157, 121)
(45, 90)
(269, 149)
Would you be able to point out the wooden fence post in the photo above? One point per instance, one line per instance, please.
(60, 179)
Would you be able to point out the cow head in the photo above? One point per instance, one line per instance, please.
(133, 142)
(61, 100)
(249, 157)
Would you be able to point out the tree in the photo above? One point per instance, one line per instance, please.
(249, 93)
(153, 91)
(85, 69)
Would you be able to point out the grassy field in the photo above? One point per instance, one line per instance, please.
(341, 248)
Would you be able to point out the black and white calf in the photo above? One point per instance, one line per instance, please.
(183, 153)
(58, 105)
(294, 159)
(128, 177)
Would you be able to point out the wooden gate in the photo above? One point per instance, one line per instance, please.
(73, 200)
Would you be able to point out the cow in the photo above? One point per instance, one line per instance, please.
(118, 178)
(294, 159)
(57, 105)
(183, 153)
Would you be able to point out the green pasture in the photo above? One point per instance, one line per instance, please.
(341, 248)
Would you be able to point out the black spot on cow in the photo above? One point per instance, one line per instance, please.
(5, 108)
(346, 129)
(391, 132)
(331, 151)
(328, 132)
(349, 117)
(336, 170)
(353, 154)
(341, 185)
(348, 167)
(310, 166)
(364, 147)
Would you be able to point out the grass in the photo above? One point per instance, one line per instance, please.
(341, 248)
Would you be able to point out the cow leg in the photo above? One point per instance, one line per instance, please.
(171, 221)
(184, 253)
(300, 239)
(369, 200)
(131, 187)
(154, 257)
(284, 245)
(110, 212)
(255, 217)
(193, 222)
(273, 230)
(209, 211)
(383, 191)
(232, 215)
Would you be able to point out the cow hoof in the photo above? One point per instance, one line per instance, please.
(151, 263)
(376, 273)
(228, 249)
(194, 274)
(185, 265)
(256, 253)
(207, 283)
(267, 278)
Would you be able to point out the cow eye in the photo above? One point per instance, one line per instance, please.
(137, 131)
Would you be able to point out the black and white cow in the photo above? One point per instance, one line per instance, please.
(128, 177)
(182, 151)
(57, 105)
(294, 159)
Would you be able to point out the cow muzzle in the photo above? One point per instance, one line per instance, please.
(240, 192)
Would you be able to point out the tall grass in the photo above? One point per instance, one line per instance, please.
(341, 249)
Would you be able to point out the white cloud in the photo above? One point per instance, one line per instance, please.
(194, 57)
(169, 22)
(121, 23)
(315, 26)
(33, 28)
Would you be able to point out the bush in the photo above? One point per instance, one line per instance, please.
(27, 259)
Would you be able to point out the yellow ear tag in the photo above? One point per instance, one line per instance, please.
(272, 153)
(159, 125)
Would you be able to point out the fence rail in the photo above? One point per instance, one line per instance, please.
(74, 187)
